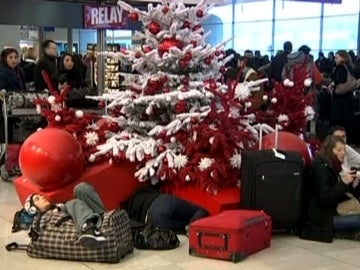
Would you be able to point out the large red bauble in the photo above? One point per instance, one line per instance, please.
(167, 43)
(288, 142)
(51, 158)
(134, 16)
(154, 27)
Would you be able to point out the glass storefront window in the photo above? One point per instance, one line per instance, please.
(222, 29)
(340, 32)
(253, 36)
(347, 7)
(296, 9)
(253, 11)
(299, 32)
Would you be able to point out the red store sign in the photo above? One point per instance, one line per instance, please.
(98, 17)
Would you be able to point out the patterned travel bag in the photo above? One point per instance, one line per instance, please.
(53, 236)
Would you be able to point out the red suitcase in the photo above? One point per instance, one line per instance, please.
(231, 235)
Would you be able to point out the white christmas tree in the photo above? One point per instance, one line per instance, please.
(177, 119)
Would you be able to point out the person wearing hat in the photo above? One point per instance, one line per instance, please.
(86, 210)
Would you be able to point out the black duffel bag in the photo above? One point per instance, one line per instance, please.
(148, 236)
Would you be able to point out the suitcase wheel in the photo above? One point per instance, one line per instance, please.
(235, 257)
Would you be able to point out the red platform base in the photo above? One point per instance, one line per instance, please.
(225, 199)
(114, 183)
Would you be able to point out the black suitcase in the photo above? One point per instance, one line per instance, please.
(272, 181)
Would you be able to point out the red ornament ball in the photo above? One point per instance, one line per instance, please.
(207, 60)
(133, 16)
(288, 142)
(154, 27)
(101, 104)
(200, 13)
(166, 90)
(165, 10)
(51, 158)
(193, 43)
(186, 24)
(137, 54)
(186, 81)
(161, 149)
(188, 56)
(167, 43)
(183, 64)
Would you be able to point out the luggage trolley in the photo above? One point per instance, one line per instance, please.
(7, 113)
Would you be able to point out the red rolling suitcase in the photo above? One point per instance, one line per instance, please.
(231, 235)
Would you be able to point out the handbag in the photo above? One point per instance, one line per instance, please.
(350, 84)
(349, 207)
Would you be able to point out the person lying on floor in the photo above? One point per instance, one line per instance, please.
(328, 188)
(165, 211)
(86, 210)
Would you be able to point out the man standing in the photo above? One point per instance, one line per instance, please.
(279, 62)
(46, 63)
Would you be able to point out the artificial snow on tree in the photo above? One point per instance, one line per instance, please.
(177, 119)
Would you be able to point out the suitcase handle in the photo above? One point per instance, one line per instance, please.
(261, 129)
(224, 247)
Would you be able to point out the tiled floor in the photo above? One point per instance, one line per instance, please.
(286, 252)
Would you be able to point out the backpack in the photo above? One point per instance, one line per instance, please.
(22, 221)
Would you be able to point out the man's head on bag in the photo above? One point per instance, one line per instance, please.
(35, 203)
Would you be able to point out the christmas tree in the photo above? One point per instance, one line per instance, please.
(177, 119)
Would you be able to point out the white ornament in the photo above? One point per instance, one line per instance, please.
(274, 100)
(92, 138)
(283, 118)
(79, 114)
(92, 158)
(291, 84)
(173, 139)
(286, 82)
(51, 100)
(211, 140)
(235, 160)
(307, 82)
(205, 163)
(248, 104)
(180, 161)
(57, 118)
(309, 113)
(187, 178)
(212, 174)
(39, 129)
(265, 97)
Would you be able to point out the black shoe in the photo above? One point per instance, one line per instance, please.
(90, 240)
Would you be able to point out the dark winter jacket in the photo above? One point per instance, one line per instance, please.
(71, 77)
(342, 107)
(12, 79)
(277, 65)
(324, 191)
(28, 66)
(139, 202)
(48, 64)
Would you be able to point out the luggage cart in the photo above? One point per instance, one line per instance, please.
(8, 113)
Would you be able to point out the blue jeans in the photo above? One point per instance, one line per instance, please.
(347, 223)
(172, 213)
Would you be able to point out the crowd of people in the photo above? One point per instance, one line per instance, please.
(334, 80)
(25, 72)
